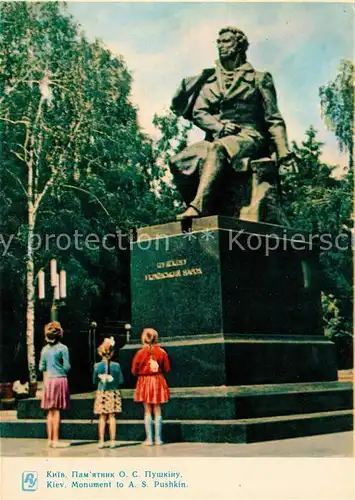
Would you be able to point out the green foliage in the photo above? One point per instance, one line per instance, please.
(337, 103)
(336, 325)
(314, 198)
(316, 201)
(66, 117)
(173, 135)
(173, 139)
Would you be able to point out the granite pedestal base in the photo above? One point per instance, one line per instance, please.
(218, 360)
(234, 303)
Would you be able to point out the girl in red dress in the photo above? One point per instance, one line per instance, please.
(149, 364)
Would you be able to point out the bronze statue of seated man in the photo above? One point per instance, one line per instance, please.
(245, 143)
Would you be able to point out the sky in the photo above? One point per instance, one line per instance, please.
(300, 44)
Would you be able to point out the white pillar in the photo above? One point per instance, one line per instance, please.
(41, 287)
(53, 272)
(62, 284)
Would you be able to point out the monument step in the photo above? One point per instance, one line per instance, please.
(207, 431)
(218, 403)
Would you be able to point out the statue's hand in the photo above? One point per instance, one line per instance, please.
(287, 163)
(230, 128)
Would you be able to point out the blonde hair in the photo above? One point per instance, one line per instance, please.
(53, 332)
(149, 336)
(105, 350)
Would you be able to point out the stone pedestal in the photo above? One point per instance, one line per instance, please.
(234, 302)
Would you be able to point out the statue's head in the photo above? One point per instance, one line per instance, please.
(231, 42)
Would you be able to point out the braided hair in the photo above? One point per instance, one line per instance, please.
(105, 350)
(149, 336)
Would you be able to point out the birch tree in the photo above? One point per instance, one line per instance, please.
(35, 91)
(337, 104)
(68, 126)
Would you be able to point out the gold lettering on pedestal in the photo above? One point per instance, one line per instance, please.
(176, 273)
(173, 274)
(172, 263)
(163, 276)
(192, 271)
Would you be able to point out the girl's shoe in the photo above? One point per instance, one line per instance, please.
(60, 444)
(158, 442)
(113, 444)
(147, 442)
(101, 444)
(49, 444)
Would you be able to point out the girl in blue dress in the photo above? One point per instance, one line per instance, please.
(54, 363)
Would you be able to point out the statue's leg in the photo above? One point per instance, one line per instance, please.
(186, 166)
(214, 172)
(210, 178)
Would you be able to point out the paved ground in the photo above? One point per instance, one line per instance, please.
(328, 445)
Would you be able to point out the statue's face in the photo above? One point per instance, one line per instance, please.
(227, 45)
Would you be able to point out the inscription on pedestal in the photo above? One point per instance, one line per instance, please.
(176, 285)
(201, 282)
(178, 273)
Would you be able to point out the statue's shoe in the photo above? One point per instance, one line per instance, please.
(190, 213)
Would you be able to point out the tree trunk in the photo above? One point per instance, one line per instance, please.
(30, 313)
(351, 156)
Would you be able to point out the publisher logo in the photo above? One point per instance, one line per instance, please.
(29, 481)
